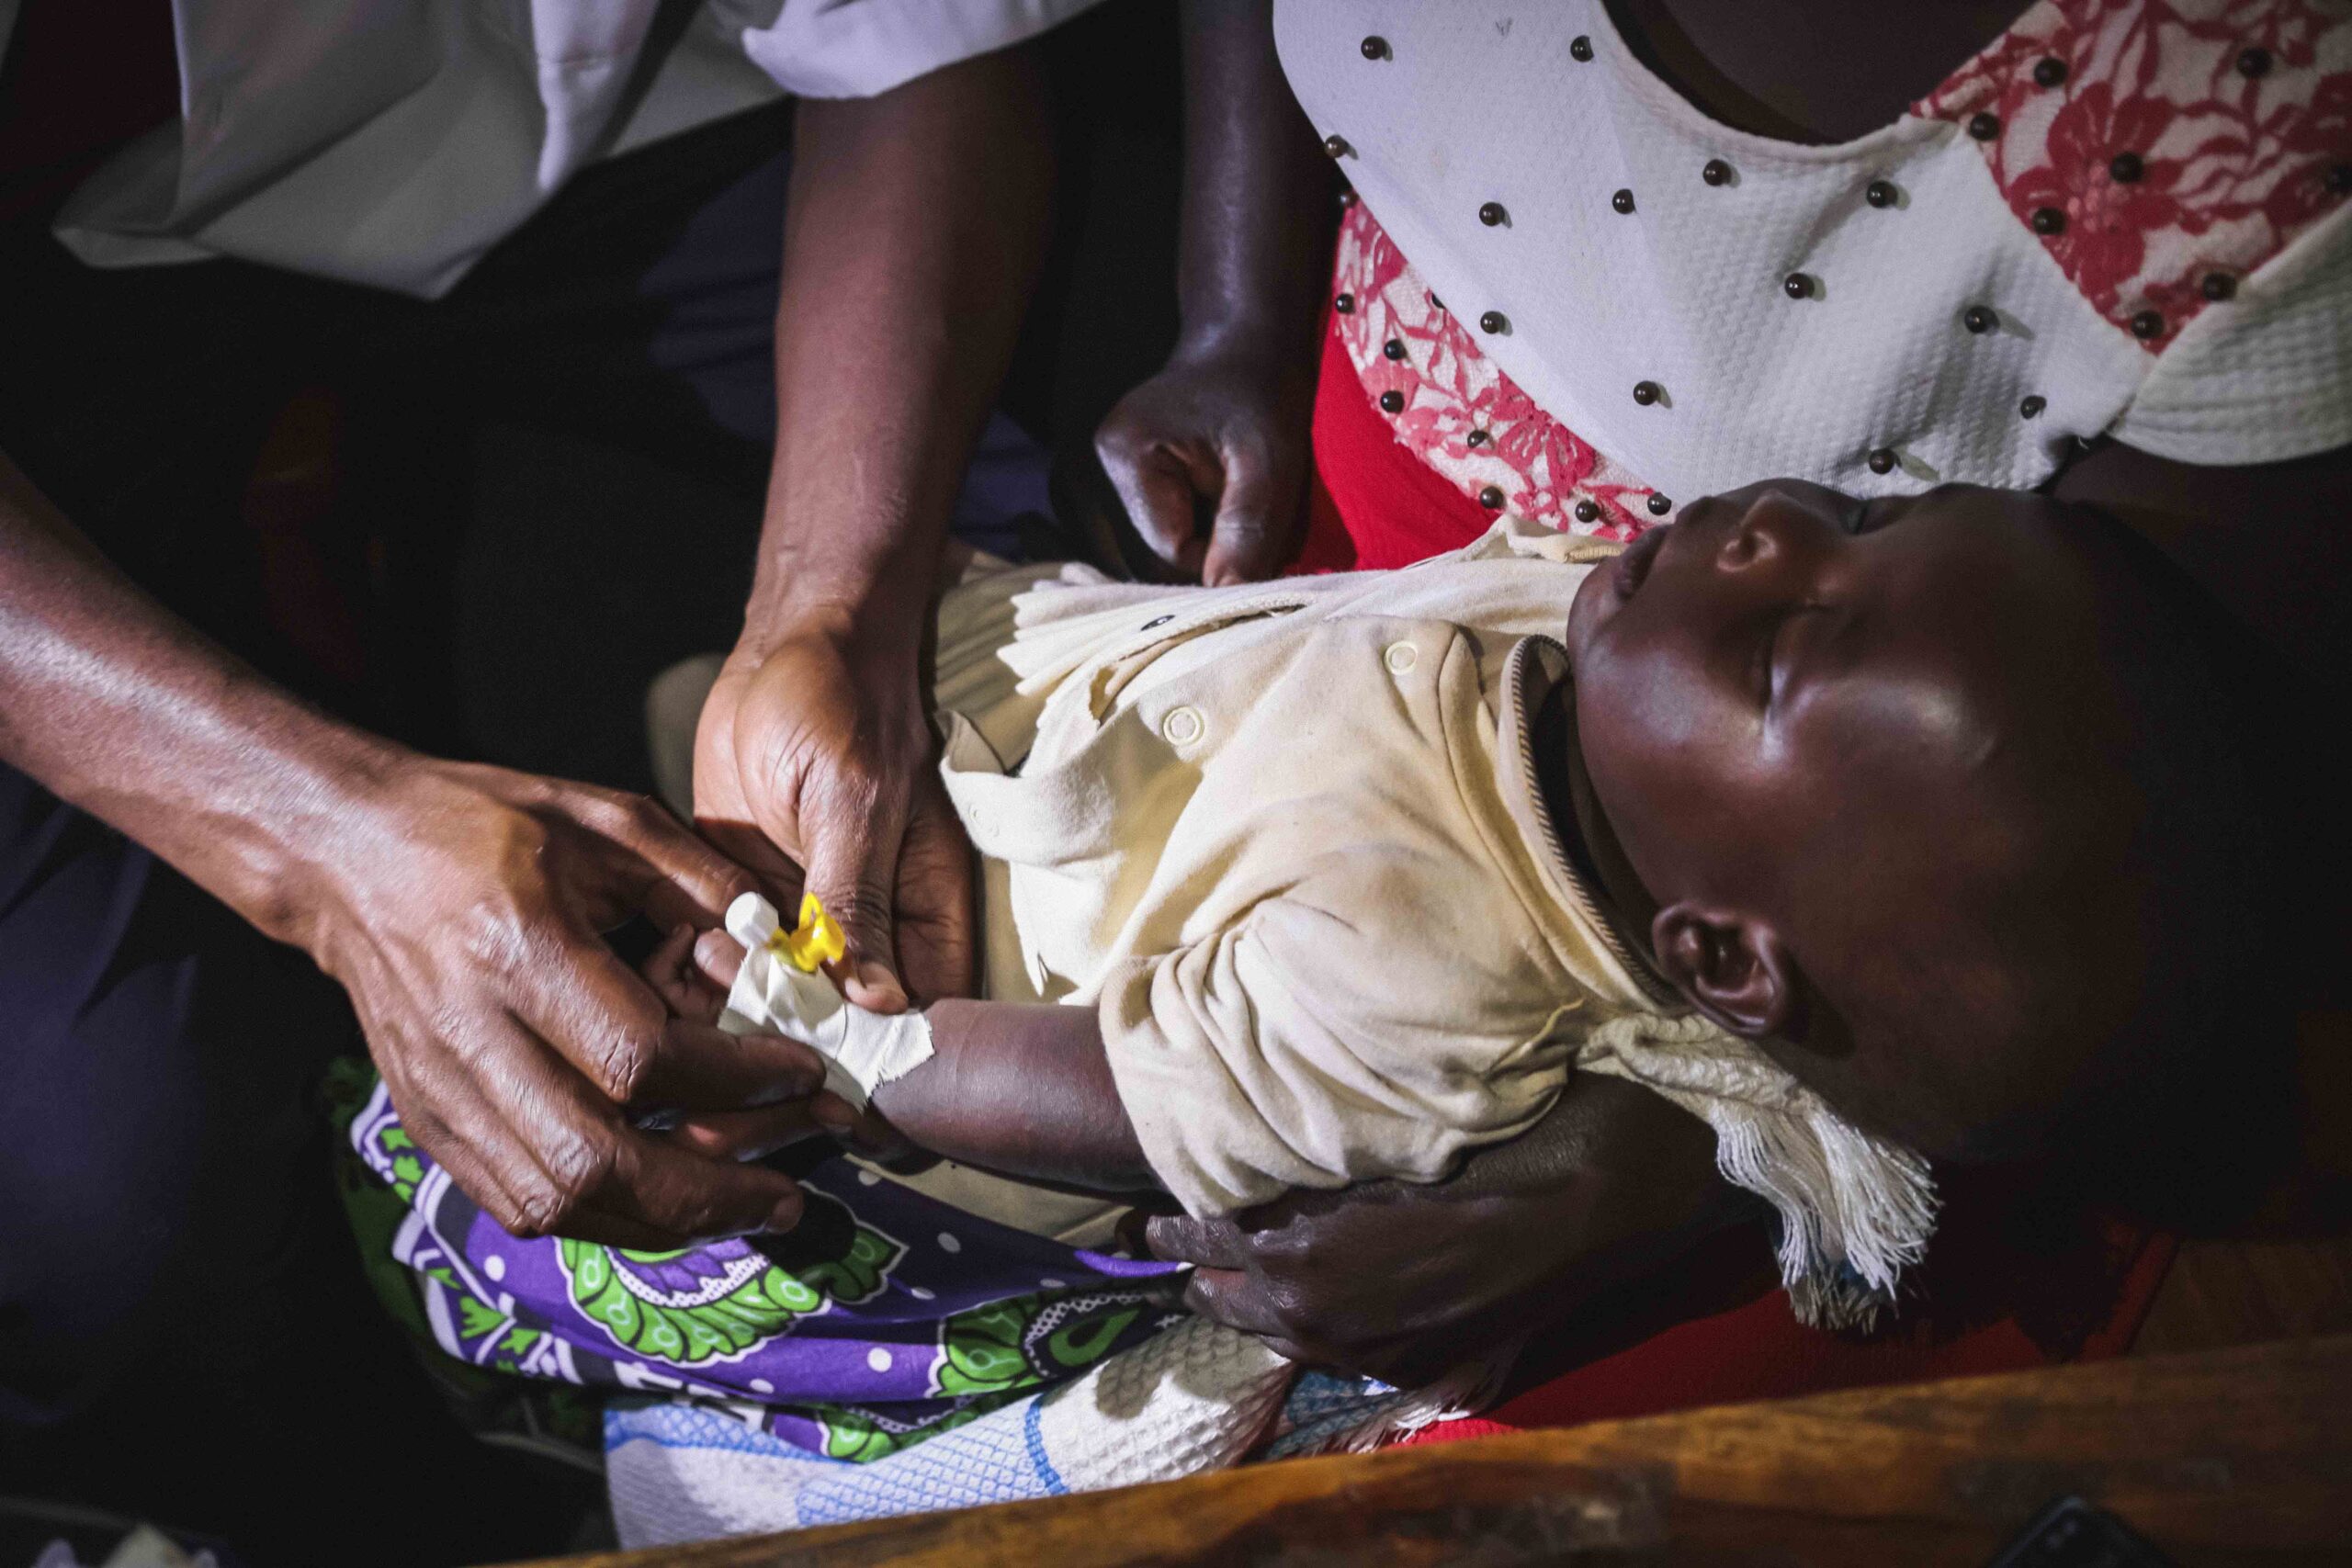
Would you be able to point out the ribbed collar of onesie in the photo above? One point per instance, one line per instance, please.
(1537, 668)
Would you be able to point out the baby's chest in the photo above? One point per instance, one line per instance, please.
(1164, 801)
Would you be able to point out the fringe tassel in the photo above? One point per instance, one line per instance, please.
(1465, 1391)
(1855, 1210)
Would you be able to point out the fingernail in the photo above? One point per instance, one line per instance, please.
(881, 987)
(786, 1212)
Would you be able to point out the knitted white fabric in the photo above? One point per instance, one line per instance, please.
(1194, 1398)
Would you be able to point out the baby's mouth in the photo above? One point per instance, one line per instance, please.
(1601, 595)
(1634, 566)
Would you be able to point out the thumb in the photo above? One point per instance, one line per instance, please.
(852, 864)
(1255, 519)
(1156, 486)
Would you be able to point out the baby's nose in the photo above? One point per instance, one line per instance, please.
(1752, 542)
(1773, 528)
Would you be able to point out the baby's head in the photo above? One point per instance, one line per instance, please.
(1931, 797)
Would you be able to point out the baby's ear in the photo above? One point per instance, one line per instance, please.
(1733, 966)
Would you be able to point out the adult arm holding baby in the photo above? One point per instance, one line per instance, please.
(914, 226)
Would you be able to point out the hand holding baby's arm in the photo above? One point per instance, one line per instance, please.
(691, 972)
(1025, 1090)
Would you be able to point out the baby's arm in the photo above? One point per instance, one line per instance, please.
(1025, 1090)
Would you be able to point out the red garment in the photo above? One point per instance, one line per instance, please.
(1374, 503)
(1761, 1351)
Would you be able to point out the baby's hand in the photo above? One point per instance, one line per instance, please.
(692, 973)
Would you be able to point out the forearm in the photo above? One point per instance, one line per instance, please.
(912, 236)
(114, 705)
(1255, 244)
(1023, 1090)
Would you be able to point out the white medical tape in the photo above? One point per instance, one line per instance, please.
(772, 995)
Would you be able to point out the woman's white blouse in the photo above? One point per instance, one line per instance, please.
(1707, 306)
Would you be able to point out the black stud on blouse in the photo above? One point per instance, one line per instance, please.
(1346, 197)
(1392, 402)
(2049, 71)
(2125, 168)
(1587, 510)
(1335, 147)
(2147, 324)
(1491, 213)
(1979, 319)
(1623, 201)
(1879, 193)
(1374, 48)
(1984, 125)
(1436, 303)
(1715, 171)
(1580, 46)
(2048, 220)
(1477, 438)
(1881, 460)
(1646, 392)
(2217, 285)
(2032, 406)
(1344, 304)
(1493, 323)
(1393, 348)
(1796, 286)
(1491, 497)
(2254, 63)
(1660, 506)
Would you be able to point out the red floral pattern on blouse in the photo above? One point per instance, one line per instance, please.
(2237, 112)
(1457, 410)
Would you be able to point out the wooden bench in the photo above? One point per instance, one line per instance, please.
(2219, 1457)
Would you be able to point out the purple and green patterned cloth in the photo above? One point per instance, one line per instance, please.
(886, 1318)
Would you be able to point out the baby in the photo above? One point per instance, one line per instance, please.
(1925, 800)
(1862, 831)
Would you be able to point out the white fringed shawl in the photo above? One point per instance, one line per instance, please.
(1855, 1210)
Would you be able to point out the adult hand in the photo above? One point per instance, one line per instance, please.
(693, 971)
(1224, 428)
(463, 914)
(1401, 1281)
(813, 752)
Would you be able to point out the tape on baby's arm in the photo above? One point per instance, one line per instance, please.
(782, 988)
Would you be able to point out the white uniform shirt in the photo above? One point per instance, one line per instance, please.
(394, 141)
